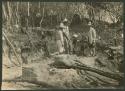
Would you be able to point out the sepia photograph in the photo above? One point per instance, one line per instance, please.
(62, 45)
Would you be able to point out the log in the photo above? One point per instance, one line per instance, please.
(44, 84)
(97, 79)
(101, 79)
(76, 64)
(116, 76)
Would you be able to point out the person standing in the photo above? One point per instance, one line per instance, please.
(67, 41)
(84, 44)
(45, 44)
(59, 38)
(92, 39)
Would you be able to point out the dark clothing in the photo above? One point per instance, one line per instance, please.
(92, 45)
(74, 43)
(84, 44)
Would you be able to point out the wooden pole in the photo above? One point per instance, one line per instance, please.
(17, 8)
(4, 11)
(28, 6)
(42, 14)
(39, 7)
(11, 47)
(9, 16)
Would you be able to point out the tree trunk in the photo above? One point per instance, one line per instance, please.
(28, 6)
(17, 12)
(76, 64)
(4, 11)
(10, 15)
(9, 9)
(44, 84)
(116, 76)
(43, 14)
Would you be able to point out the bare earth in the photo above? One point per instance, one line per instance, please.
(45, 73)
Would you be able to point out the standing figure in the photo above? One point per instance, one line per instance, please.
(84, 44)
(59, 39)
(45, 44)
(92, 39)
(67, 41)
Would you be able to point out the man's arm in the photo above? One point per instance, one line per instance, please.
(66, 36)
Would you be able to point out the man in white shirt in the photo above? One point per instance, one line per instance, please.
(92, 39)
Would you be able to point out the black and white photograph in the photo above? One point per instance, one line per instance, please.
(62, 45)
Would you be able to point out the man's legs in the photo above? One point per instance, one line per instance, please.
(66, 46)
(84, 46)
(93, 51)
(70, 47)
(90, 49)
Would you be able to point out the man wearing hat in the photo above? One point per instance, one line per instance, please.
(67, 42)
(59, 38)
(91, 39)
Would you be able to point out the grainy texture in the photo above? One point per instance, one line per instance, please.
(32, 60)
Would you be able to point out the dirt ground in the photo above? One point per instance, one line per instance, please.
(48, 74)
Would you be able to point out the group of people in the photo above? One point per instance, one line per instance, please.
(63, 38)
(66, 45)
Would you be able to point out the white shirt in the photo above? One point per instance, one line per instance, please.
(66, 30)
(92, 35)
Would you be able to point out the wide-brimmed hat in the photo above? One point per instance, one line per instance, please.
(61, 25)
(65, 20)
(90, 23)
(75, 35)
